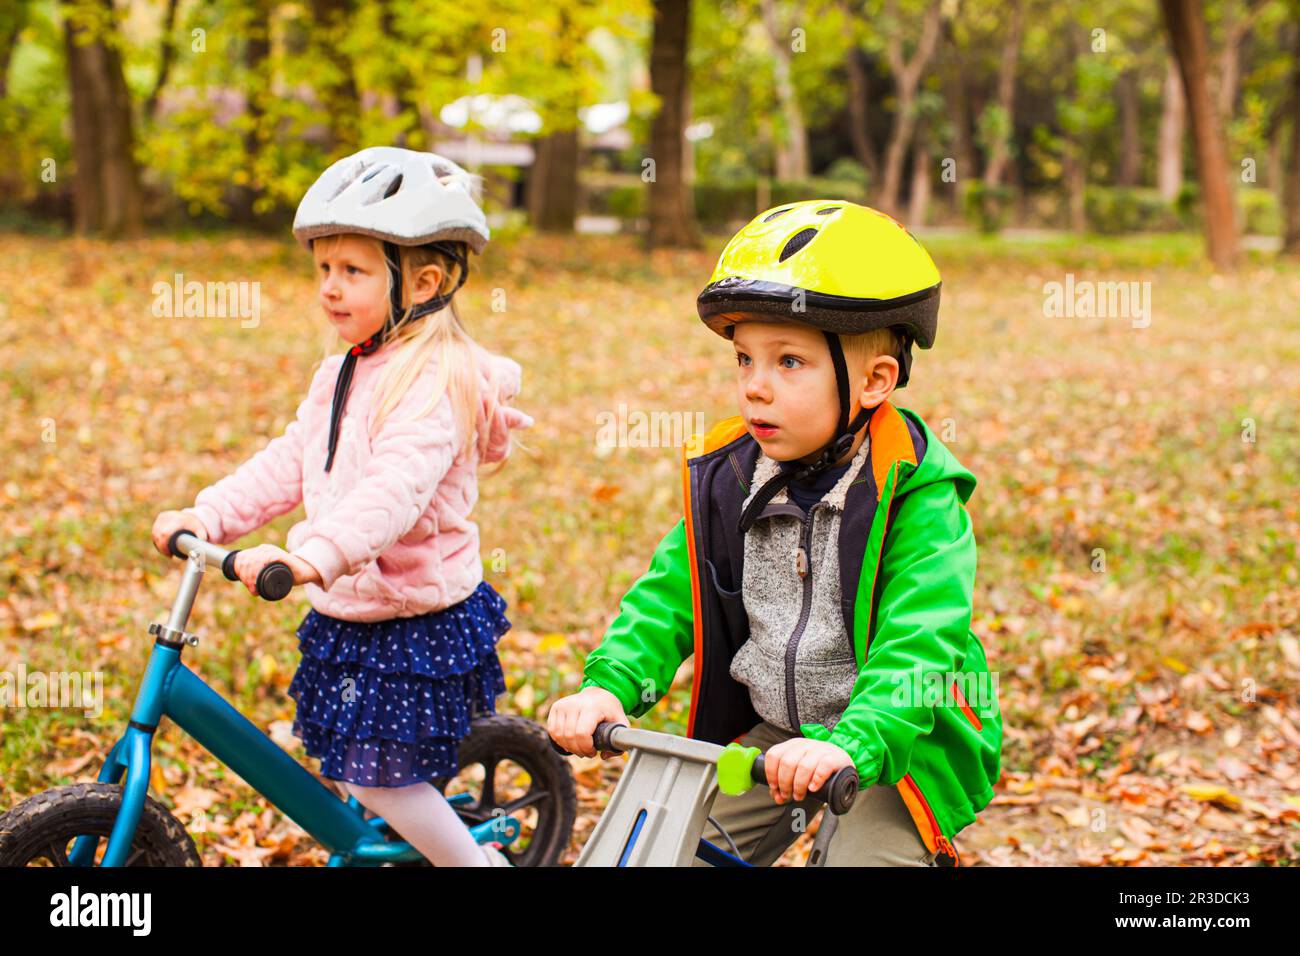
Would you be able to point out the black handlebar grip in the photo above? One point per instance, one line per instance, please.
(599, 738)
(838, 793)
(172, 548)
(275, 581)
(841, 790)
(228, 565)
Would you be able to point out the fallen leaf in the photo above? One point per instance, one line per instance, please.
(68, 767)
(1198, 723)
(1213, 819)
(41, 622)
(1210, 793)
(190, 800)
(1076, 816)
(1138, 831)
(1234, 769)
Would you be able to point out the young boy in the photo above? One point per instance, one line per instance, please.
(822, 575)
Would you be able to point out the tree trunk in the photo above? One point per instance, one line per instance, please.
(1130, 142)
(1169, 147)
(907, 78)
(106, 190)
(952, 64)
(12, 22)
(166, 56)
(256, 50)
(1000, 151)
(1186, 28)
(1076, 185)
(399, 97)
(1074, 158)
(553, 185)
(1291, 189)
(1236, 27)
(859, 124)
(671, 213)
(919, 202)
(792, 152)
(338, 93)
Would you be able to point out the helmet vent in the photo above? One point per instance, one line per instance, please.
(345, 181)
(779, 212)
(394, 186)
(828, 210)
(796, 242)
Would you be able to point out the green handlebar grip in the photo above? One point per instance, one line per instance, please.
(734, 765)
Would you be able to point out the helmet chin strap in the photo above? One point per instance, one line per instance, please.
(831, 452)
(393, 256)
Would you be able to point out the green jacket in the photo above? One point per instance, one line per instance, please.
(924, 714)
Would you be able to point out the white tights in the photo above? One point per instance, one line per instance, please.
(425, 820)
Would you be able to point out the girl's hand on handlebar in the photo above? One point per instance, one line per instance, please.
(573, 719)
(169, 522)
(249, 564)
(800, 764)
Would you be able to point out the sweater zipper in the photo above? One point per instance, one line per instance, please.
(802, 566)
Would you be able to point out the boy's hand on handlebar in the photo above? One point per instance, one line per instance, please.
(169, 522)
(800, 764)
(249, 564)
(573, 719)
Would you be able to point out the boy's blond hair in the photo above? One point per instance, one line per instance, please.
(862, 348)
(858, 349)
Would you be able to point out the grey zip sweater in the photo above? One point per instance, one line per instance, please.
(798, 662)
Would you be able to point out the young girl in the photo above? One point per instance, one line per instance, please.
(398, 651)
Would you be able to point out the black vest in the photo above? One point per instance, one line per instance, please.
(718, 482)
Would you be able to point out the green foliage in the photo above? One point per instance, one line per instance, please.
(1187, 205)
(235, 132)
(986, 207)
(1260, 214)
(1112, 210)
(1092, 107)
(846, 170)
(993, 128)
(723, 203)
(33, 112)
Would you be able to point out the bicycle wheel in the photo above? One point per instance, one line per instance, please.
(508, 764)
(40, 830)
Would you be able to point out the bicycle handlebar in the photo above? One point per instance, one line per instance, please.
(274, 581)
(838, 793)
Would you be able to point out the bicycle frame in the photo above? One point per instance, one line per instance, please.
(657, 814)
(171, 689)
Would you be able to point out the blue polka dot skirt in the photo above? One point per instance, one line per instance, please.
(386, 703)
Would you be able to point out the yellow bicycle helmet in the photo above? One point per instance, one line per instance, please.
(839, 267)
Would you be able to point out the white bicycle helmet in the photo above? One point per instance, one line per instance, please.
(397, 195)
(403, 198)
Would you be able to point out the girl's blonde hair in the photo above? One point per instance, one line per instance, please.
(439, 337)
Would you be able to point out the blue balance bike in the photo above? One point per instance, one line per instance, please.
(524, 799)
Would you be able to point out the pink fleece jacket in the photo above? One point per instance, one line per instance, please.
(388, 527)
